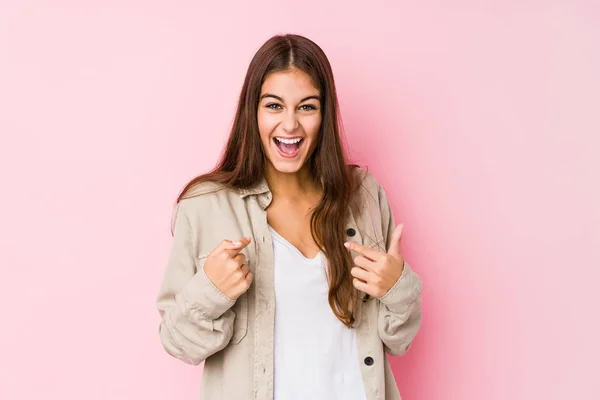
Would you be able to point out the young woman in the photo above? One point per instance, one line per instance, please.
(285, 274)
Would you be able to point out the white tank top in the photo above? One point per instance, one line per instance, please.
(315, 353)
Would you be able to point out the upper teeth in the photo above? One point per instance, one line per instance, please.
(289, 141)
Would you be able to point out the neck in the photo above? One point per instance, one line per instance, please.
(290, 185)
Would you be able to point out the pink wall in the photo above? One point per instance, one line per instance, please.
(480, 118)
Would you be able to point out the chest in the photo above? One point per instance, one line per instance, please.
(292, 222)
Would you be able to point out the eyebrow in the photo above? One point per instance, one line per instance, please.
(280, 99)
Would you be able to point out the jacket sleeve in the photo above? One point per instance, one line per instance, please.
(196, 317)
(400, 308)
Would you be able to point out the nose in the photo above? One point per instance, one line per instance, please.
(290, 122)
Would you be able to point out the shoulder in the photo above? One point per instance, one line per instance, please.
(198, 197)
(368, 186)
(203, 189)
(375, 214)
(371, 197)
(203, 200)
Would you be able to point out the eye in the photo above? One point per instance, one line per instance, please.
(273, 106)
(310, 107)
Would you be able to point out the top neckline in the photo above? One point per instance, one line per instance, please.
(291, 246)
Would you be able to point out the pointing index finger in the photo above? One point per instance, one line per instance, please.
(364, 250)
(233, 248)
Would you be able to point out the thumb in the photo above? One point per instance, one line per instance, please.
(395, 242)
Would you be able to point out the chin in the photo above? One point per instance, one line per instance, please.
(287, 167)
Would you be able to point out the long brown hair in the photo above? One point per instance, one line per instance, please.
(243, 160)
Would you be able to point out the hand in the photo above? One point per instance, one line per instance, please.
(226, 268)
(376, 271)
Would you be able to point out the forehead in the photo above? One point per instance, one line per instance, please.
(289, 84)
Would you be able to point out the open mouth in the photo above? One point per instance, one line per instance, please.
(288, 147)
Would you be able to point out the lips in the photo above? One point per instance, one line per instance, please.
(289, 147)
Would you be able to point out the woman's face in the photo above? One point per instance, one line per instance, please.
(289, 118)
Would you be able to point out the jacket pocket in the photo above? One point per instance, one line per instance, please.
(240, 323)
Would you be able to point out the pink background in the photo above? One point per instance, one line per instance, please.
(481, 119)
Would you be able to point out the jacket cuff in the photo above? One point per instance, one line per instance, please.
(405, 291)
(204, 297)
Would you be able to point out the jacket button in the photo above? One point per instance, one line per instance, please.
(369, 361)
(351, 232)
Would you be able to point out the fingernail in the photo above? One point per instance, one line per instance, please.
(236, 243)
(347, 244)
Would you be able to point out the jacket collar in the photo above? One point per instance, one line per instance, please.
(260, 188)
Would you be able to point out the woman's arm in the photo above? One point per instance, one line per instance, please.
(400, 308)
(196, 317)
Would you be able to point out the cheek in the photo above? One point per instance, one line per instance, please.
(312, 126)
(266, 124)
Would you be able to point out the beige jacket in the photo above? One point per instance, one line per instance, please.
(235, 338)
